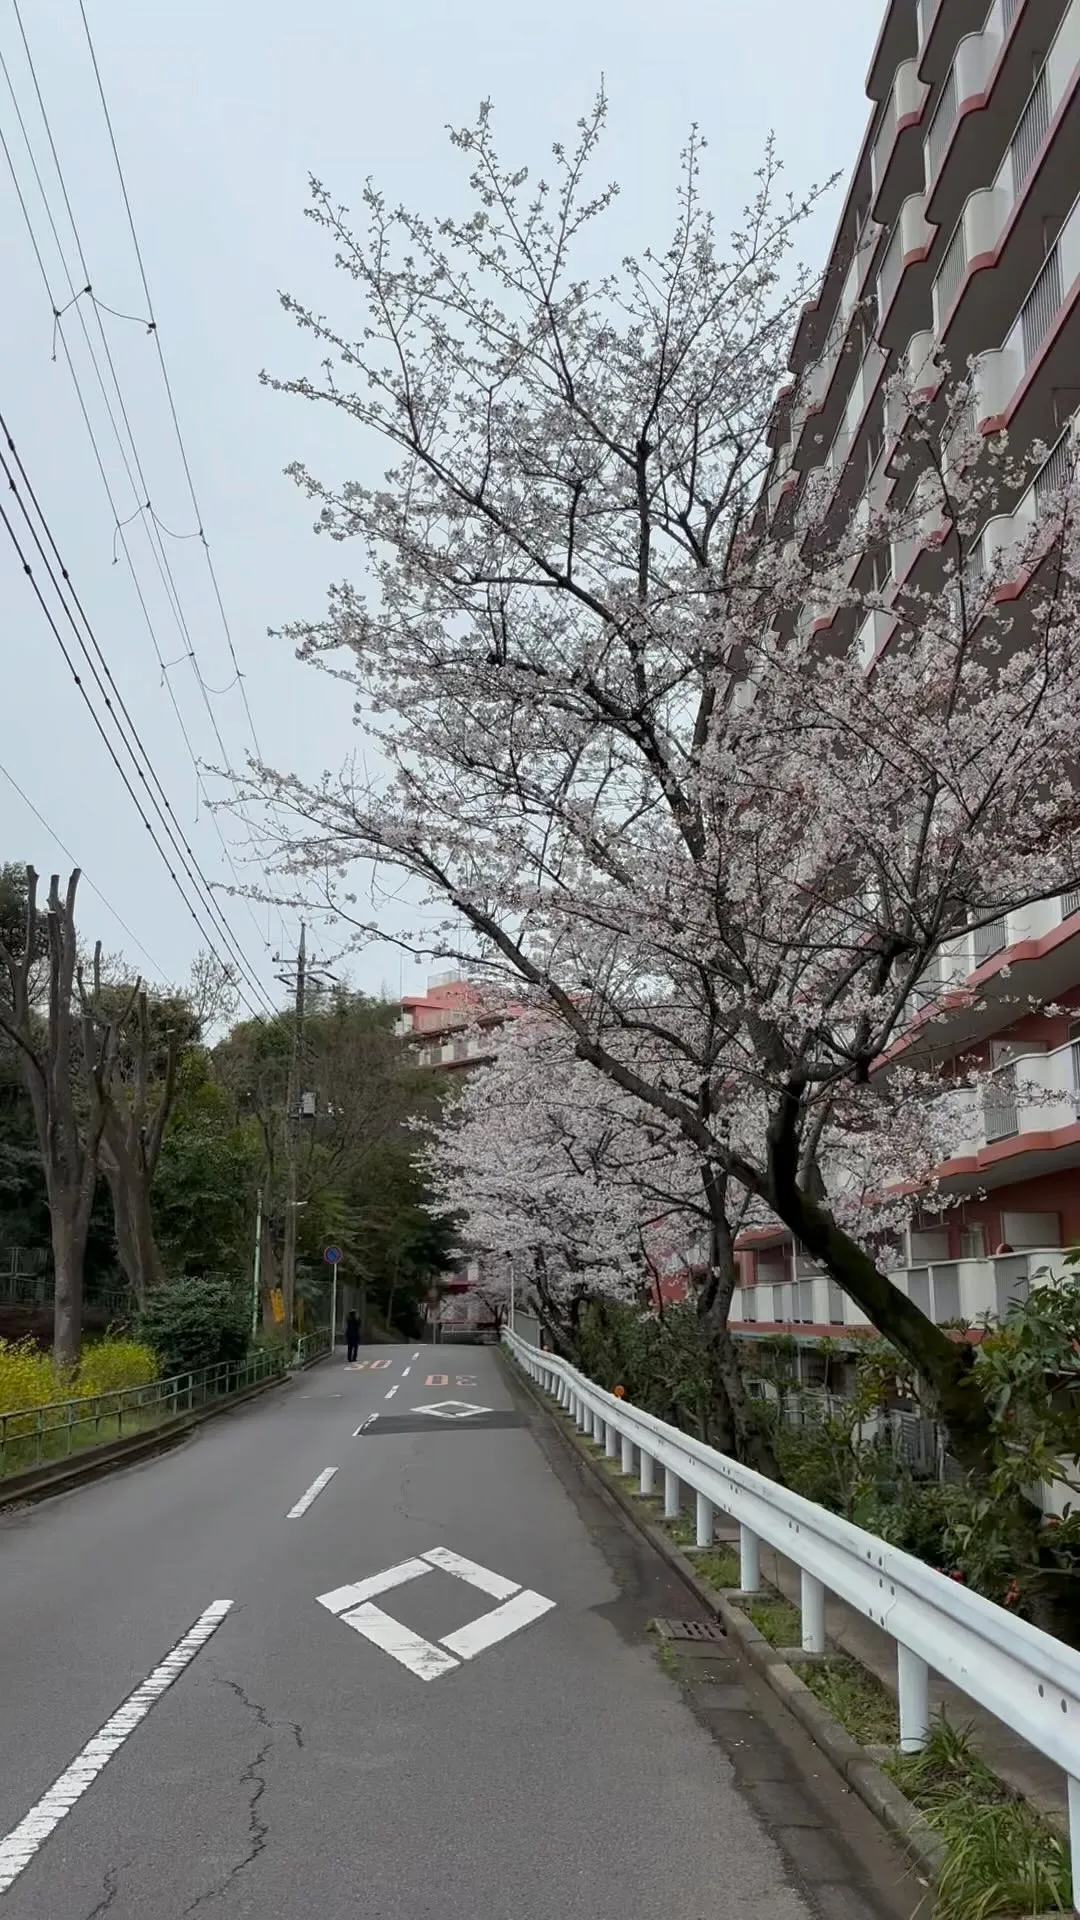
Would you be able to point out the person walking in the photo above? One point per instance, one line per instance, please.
(352, 1337)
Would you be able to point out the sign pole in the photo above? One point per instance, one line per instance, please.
(332, 1256)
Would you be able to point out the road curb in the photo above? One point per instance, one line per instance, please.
(38, 1483)
(852, 1762)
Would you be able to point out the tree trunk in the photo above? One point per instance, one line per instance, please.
(745, 1437)
(68, 1250)
(136, 1244)
(945, 1366)
(69, 1137)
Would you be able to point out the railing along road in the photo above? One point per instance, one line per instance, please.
(1024, 1677)
(31, 1436)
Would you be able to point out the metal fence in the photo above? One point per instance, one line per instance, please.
(1024, 1677)
(34, 1436)
(309, 1346)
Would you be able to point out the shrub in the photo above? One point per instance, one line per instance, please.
(109, 1366)
(195, 1323)
(27, 1378)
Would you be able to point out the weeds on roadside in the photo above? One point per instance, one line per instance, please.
(1001, 1857)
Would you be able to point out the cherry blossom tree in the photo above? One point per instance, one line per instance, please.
(611, 652)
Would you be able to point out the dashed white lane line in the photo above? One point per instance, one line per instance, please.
(405, 1371)
(18, 1847)
(416, 1355)
(390, 1395)
(313, 1492)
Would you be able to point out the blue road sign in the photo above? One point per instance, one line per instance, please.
(332, 1255)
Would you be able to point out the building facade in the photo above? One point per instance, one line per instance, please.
(958, 242)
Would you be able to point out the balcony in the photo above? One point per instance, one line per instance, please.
(941, 24)
(897, 41)
(1039, 945)
(983, 97)
(901, 292)
(1012, 534)
(864, 387)
(896, 167)
(1003, 372)
(1004, 225)
(822, 394)
(975, 1290)
(968, 1290)
(1031, 1108)
(872, 636)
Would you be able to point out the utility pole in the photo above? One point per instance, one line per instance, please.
(298, 979)
(292, 1123)
(257, 1269)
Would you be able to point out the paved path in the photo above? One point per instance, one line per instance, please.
(282, 1764)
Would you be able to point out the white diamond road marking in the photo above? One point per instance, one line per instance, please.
(519, 1607)
(18, 1847)
(452, 1409)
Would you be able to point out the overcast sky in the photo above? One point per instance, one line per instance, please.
(221, 110)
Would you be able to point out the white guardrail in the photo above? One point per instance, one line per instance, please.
(1024, 1677)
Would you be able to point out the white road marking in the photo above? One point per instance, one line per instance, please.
(419, 1655)
(497, 1625)
(405, 1371)
(342, 1598)
(494, 1583)
(520, 1606)
(365, 1424)
(390, 1395)
(416, 1355)
(452, 1409)
(18, 1848)
(312, 1494)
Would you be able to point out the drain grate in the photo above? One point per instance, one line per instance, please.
(690, 1629)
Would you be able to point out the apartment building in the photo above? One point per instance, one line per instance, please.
(452, 1025)
(959, 239)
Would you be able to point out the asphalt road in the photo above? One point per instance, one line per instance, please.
(294, 1765)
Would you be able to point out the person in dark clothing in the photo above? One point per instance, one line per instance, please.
(352, 1337)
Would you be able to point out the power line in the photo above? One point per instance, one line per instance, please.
(66, 851)
(162, 807)
(165, 815)
(136, 479)
(153, 326)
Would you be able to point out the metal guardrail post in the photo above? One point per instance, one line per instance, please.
(627, 1454)
(645, 1482)
(913, 1689)
(671, 1494)
(611, 1439)
(812, 1609)
(749, 1561)
(703, 1521)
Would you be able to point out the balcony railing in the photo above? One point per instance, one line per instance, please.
(988, 211)
(941, 127)
(989, 940)
(949, 275)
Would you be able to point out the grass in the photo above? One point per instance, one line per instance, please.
(681, 1529)
(58, 1442)
(777, 1619)
(718, 1565)
(856, 1698)
(1001, 1857)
